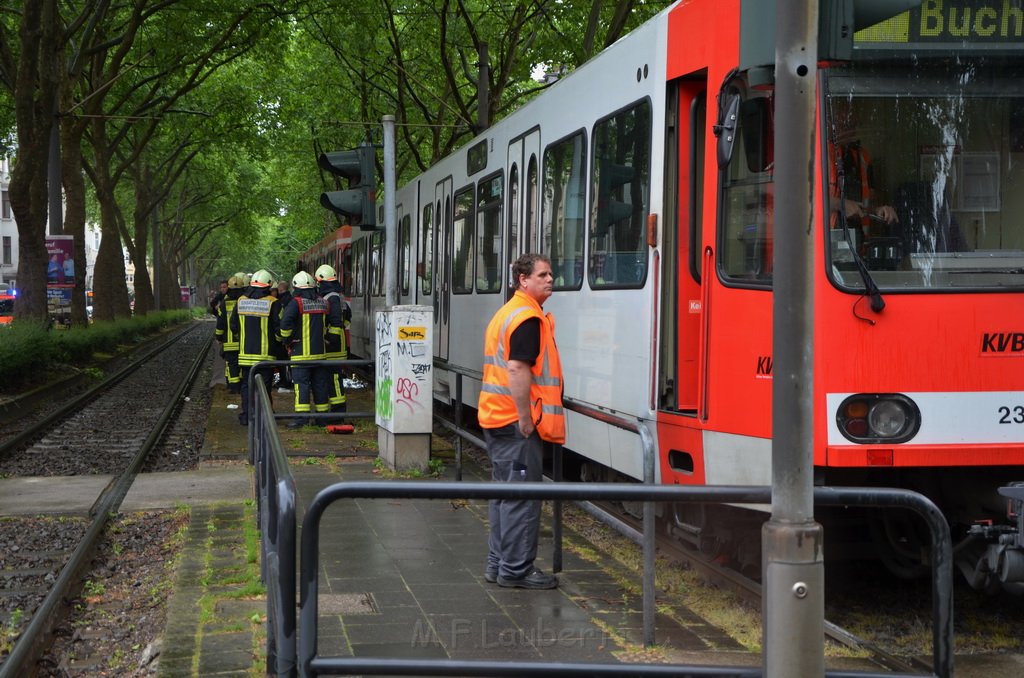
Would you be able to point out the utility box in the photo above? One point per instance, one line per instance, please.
(404, 403)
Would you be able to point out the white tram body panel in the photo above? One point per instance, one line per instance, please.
(605, 338)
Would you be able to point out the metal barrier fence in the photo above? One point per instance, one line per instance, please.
(277, 501)
(310, 663)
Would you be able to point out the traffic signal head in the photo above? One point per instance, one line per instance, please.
(359, 167)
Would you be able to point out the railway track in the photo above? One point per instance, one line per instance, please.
(746, 588)
(111, 429)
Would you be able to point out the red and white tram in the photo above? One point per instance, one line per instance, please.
(660, 235)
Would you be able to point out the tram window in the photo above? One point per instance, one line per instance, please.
(488, 246)
(621, 184)
(423, 269)
(930, 158)
(377, 265)
(404, 255)
(345, 260)
(358, 287)
(463, 232)
(564, 210)
(748, 200)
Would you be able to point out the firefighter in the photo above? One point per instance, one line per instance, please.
(339, 319)
(228, 339)
(304, 331)
(256, 323)
(284, 381)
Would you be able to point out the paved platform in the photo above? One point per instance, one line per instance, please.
(404, 578)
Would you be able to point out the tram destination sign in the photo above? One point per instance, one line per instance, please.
(954, 24)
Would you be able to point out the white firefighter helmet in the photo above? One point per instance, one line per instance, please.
(261, 278)
(326, 272)
(303, 280)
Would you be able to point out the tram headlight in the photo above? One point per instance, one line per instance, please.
(867, 418)
(887, 419)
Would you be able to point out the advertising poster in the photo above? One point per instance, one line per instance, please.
(58, 303)
(60, 269)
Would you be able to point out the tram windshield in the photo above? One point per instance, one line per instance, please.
(924, 171)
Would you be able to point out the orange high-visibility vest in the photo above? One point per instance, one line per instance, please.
(496, 408)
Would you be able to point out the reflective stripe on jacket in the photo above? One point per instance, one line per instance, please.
(302, 324)
(225, 308)
(257, 321)
(337, 339)
(496, 408)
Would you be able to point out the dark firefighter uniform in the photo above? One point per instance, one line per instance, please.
(228, 339)
(339, 317)
(256, 320)
(303, 330)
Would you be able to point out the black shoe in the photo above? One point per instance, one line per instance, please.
(534, 580)
(491, 575)
(243, 419)
(234, 389)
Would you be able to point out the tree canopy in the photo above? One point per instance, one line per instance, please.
(189, 129)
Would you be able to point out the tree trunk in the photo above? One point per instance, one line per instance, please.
(74, 210)
(35, 87)
(109, 284)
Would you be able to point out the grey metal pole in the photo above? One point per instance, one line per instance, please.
(794, 570)
(391, 243)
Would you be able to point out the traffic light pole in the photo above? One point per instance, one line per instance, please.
(390, 226)
(794, 569)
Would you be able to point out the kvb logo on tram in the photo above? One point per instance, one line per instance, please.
(1002, 344)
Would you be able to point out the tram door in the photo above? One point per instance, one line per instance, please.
(442, 266)
(685, 302)
(521, 212)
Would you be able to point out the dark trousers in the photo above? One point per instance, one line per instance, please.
(310, 381)
(515, 523)
(232, 373)
(264, 374)
(336, 386)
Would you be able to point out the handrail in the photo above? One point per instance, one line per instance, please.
(310, 664)
(649, 456)
(276, 507)
(276, 513)
(649, 538)
(328, 416)
(286, 661)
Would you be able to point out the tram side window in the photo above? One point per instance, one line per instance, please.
(621, 183)
(564, 210)
(377, 265)
(358, 268)
(463, 231)
(488, 246)
(345, 261)
(749, 199)
(404, 255)
(423, 268)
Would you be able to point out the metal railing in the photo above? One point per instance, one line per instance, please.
(647, 541)
(310, 663)
(277, 504)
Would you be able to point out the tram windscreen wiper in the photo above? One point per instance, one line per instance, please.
(870, 288)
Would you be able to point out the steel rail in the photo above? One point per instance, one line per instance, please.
(30, 643)
(32, 431)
